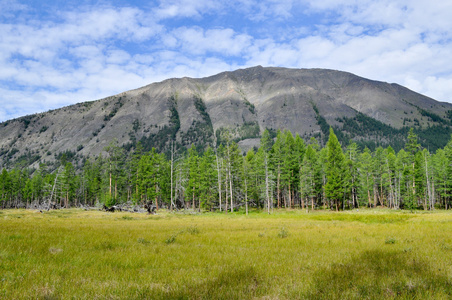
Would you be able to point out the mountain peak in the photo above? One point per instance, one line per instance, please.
(245, 102)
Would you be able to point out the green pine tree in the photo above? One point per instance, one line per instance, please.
(334, 171)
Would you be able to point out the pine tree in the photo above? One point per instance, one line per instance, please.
(412, 147)
(5, 187)
(352, 172)
(299, 152)
(378, 171)
(440, 166)
(207, 179)
(38, 183)
(257, 175)
(192, 190)
(247, 175)
(323, 161)
(68, 183)
(115, 160)
(134, 171)
(92, 178)
(403, 178)
(389, 176)
(277, 163)
(448, 189)
(334, 170)
(266, 144)
(427, 166)
(290, 165)
(310, 177)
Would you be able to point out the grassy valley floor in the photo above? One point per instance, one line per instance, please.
(365, 254)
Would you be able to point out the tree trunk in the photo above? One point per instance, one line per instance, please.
(290, 196)
(230, 189)
(110, 181)
(226, 191)
(267, 184)
(428, 186)
(172, 166)
(193, 204)
(278, 191)
(53, 188)
(246, 196)
(156, 197)
(219, 178)
(375, 196)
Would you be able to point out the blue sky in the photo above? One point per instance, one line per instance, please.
(56, 53)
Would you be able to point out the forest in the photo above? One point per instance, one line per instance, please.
(284, 172)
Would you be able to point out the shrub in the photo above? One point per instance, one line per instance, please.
(171, 239)
(283, 233)
(390, 240)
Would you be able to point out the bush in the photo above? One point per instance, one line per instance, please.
(171, 239)
(390, 240)
(283, 233)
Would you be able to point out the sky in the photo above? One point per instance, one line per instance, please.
(57, 53)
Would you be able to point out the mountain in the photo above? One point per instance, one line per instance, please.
(246, 101)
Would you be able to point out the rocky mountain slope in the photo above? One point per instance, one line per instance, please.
(247, 101)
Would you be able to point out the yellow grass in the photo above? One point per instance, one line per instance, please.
(373, 254)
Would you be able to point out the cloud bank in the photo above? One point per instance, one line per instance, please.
(59, 55)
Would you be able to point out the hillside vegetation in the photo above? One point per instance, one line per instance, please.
(244, 102)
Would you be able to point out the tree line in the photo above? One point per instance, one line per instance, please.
(284, 172)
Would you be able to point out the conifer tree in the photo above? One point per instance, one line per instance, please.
(429, 184)
(37, 182)
(247, 175)
(323, 161)
(352, 167)
(440, 166)
(378, 171)
(134, 171)
(257, 175)
(192, 190)
(277, 163)
(448, 189)
(207, 179)
(403, 177)
(389, 176)
(68, 183)
(310, 177)
(266, 144)
(114, 171)
(5, 187)
(290, 165)
(412, 147)
(299, 152)
(334, 171)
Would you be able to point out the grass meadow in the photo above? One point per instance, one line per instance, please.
(365, 254)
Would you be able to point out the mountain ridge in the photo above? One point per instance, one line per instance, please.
(245, 101)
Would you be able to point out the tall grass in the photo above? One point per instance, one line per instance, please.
(287, 255)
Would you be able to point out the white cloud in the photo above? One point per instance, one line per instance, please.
(198, 41)
(263, 10)
(437, 88)
(117, 57)
(97, 51)
(9, 7)
(186, 8)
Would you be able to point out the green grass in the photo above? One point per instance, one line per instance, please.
(366, 254)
